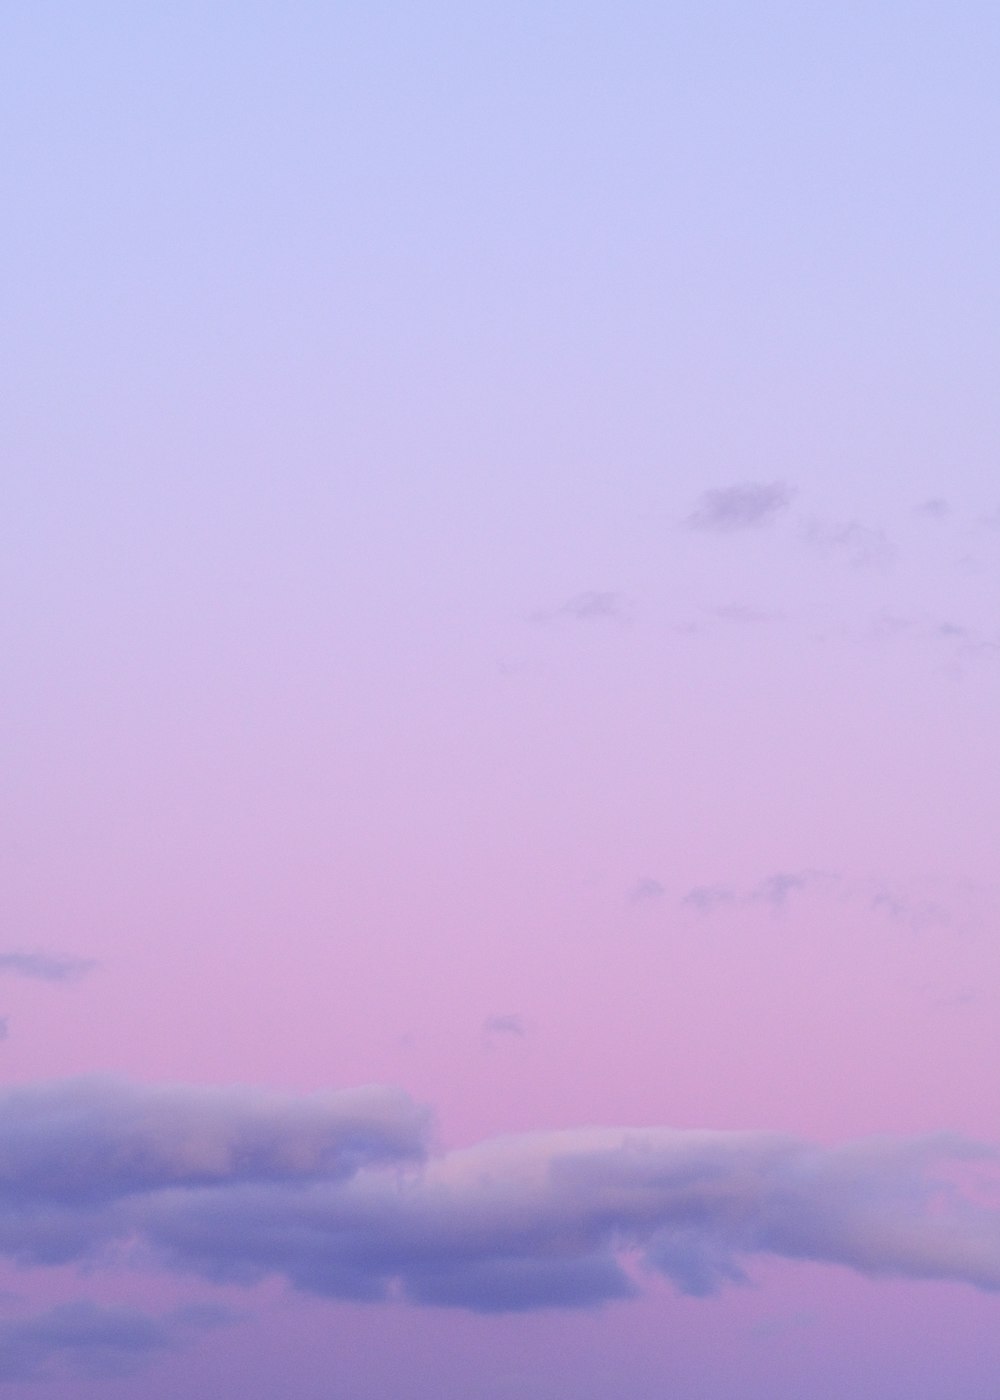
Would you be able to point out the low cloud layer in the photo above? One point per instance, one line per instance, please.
(341, 1195)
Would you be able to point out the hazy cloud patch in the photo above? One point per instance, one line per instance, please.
(776, 892)
(745, 506)
(916, 913)
(964, 642)
(506, 1024)
(934, 508)
(46, 967)
(863, 546)
(780, 1325)
(955, 1001)
(773, 891)
(84, 1338)
(706, 898)
(645, 889)
(592, 605)
(743, 613)
(522, 1284)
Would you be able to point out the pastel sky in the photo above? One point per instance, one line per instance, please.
(501, 553)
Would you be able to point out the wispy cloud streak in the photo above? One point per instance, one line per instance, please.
(46, 967)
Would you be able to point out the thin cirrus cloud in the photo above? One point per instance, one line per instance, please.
(747, 505)
(45, 967)
(340, 1195)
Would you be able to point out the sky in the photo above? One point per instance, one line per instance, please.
(501, 512)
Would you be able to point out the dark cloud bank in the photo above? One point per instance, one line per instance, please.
(340, 1194)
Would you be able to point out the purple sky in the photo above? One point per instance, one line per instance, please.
(499, 609)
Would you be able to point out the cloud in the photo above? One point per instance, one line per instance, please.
(506, 1024)
(861, 545)
(46, 967)
(964, 642)
(340, 1195)
(706, 898)
(784, 1323)
(645, 889)
(545, 1219)
(741, 507)
(743, 613)
(98, 1341)
(935, 508)
(590, 606)
(73, 1147)
(773, 891)
(917, 914)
